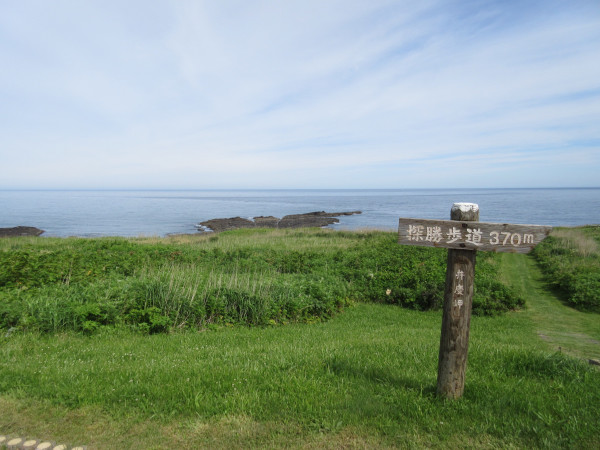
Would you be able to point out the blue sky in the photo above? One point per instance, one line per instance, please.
(299, 94)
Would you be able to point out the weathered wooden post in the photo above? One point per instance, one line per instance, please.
(458, 301)
(463, 235)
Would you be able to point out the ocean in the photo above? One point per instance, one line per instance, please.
(90, 213)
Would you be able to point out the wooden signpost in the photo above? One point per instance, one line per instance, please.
(463, 235)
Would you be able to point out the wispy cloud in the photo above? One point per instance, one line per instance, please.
(299, 94)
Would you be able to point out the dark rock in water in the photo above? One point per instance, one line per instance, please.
(313, 219)
(232, 223)
(20, 231)
(266, 221)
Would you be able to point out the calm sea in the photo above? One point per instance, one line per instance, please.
(158, 213)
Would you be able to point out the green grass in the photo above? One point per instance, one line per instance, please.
(563, 328)
(368, 375)
(365, 378)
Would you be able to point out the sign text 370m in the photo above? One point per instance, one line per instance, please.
(495, 237)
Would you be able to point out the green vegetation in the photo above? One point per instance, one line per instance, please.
(570, 260)
(262, 277)
(563, 329)
(362, 379)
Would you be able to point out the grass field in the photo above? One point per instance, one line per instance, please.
(363, 379)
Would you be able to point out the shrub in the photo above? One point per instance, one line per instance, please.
(148, 320)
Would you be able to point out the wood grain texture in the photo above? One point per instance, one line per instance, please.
(456, 322)
(458, 302)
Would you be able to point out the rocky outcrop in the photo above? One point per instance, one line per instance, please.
(20, 231)
(312, 219)
(232, 223)
(266, 221)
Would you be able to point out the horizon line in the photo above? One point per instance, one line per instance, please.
(123, 189)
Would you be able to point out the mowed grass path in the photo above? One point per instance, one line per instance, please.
(563, 328)
(365, 379)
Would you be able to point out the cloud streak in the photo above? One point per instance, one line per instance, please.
(192, 94)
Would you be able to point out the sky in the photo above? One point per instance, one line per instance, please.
(176, 94)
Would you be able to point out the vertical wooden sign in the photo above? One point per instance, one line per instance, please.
(463, 235)
(456, 319)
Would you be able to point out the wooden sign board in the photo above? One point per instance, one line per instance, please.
(481, 236)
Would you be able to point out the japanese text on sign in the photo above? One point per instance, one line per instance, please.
(459, 288)
(471, 235)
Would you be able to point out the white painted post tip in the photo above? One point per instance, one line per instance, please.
(465, 207)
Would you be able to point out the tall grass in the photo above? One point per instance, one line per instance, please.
(178, 289)
(577, 240)
(570, 260)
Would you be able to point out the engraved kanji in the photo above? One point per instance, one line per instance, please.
(454, 235)
(415, 232)
(460, 275)
(434, 234)
(459, 289)
(474, 236)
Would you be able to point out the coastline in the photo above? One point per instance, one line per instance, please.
(163, 213)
